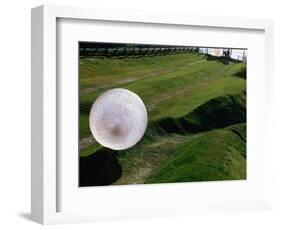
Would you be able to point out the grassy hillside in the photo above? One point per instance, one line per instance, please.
(216, 113)
(167, 148)
(189, 79)
(186, 96)
(215, 155)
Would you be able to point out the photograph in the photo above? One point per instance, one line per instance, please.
(151, 113)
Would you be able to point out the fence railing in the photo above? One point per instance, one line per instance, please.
(150, 51)
(135, 51)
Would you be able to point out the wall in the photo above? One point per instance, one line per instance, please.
(15, 113)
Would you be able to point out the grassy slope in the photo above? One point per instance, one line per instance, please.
(187, 78)
(215, 155)
(143, 160)
(218, 112)
(191, 81)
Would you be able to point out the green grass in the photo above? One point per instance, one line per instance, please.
(164, 144)
(215, 155)
(181, 88)
(101, 71)
(190, 85)
(90, 149)
(216, 113)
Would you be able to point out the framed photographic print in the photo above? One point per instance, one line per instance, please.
(137, 114)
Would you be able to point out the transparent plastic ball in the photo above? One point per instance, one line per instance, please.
(118, 119)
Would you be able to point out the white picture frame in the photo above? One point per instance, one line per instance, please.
(46, 179)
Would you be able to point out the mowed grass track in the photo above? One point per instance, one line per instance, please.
(171, 86)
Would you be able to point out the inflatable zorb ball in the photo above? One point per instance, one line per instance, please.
(118, 119)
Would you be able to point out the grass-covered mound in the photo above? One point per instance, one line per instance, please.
(216, 113)
(215, 155)
(163, 143)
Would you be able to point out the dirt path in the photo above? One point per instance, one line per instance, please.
(86, 141)
(143, 164)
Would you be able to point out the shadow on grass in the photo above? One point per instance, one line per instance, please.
(216, 113)
(241, 73)
(222, 60)
(100, 168)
